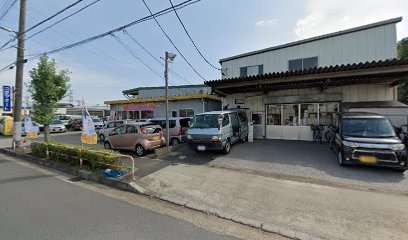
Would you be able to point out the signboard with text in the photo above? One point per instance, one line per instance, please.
(6, 98)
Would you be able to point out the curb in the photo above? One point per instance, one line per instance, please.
(87, 175)
(135, 188)
(266, 227)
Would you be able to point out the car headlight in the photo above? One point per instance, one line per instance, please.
(397, 147)
(350, 144)
(216, 137)
(189, 137)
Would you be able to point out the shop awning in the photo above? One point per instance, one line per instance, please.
(392, 72)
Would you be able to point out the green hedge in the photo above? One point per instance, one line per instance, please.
(97, 159)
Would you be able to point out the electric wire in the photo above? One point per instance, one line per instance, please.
(154, 57)
(171, 41)
(191, 39)
(93, 38)
(7, 9)
(70, 15)
(42, 22)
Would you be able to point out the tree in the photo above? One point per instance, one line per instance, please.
(47, 87)
(402, 51)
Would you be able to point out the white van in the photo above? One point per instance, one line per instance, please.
(218, 130)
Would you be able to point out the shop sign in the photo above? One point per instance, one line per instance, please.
(6, 98)
(139, 106)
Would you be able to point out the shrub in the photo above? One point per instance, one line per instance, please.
(96, 158)
(39, 149)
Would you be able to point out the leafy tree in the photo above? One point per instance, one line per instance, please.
(47, 87)
(402, 50)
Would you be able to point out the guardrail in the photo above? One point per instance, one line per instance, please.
(81, 160)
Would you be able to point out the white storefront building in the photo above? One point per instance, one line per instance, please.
(291, 87)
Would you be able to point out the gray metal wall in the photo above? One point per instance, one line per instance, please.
(149, 93)
(377, 43)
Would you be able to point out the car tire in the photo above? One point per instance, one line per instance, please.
(340, 158)
(140, 151)
(331, 144)
(175, 141)
(101, 137)
(107, 146)
(227, 147)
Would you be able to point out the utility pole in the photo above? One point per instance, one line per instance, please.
(168, 57)
(166, 76)
(19, 75)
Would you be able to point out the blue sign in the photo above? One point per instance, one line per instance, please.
(6, 98)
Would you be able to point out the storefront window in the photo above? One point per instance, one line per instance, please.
(325, 112)
(186, 112)
(147, 114)
(273, 115)
(308, 114)
(290, 115)
(256, 118)
(124, 115)
(131, 115)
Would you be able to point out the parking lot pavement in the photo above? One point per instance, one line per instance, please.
(298, 160)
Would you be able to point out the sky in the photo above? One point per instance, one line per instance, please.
(102, 69)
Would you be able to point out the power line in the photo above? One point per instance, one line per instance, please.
(43, 21)
(93, 38)
(171, 41)
(154, 57)
(191, 39)
(52, 16)
(141, 60)
(70, 15)
(136, 56)
(7, 9)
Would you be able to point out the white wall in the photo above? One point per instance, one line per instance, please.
(352, 93)
(377, 43)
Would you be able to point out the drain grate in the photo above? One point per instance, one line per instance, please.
(74, 179)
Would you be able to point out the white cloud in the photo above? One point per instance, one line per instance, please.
(266, 23)
(329, 16)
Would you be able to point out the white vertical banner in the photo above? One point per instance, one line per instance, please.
(89, 135)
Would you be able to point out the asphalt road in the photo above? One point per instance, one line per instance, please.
(300, 161)
(34, 205)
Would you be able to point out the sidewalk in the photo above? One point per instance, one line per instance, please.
(293, 209)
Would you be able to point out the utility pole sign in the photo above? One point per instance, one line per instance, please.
(6, 98)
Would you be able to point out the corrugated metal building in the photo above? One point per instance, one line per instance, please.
(289, 88)
(149, 102)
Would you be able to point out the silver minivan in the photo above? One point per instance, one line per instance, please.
(104, 132)
(218, 130)
(178, 128)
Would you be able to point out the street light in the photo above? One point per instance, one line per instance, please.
(171, 57)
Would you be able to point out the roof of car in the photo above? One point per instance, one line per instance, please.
(360, 115)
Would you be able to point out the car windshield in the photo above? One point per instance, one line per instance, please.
(56, 122)
(95, 120)
(205, 121)
(63, 117)
(367, 127)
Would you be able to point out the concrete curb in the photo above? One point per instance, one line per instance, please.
(271, 228)
(135, 188)
(87, 175)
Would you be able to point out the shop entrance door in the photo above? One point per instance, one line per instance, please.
(258, 119)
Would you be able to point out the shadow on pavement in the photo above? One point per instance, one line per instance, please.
(298, 158)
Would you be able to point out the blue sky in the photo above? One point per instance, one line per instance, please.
(220, 28)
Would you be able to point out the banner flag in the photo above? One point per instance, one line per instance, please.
(89, 135)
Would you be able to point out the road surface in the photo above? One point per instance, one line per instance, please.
(38, 204)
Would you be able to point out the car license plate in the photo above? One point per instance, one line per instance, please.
(368, 159)
(155, 138)
(201, 148)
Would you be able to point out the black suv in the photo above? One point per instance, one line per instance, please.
(368, 139)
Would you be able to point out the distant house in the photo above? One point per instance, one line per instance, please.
(149, 102)
(291, 87)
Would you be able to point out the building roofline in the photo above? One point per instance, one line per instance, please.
(162, 99)
(312, 39)
(162, 87)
